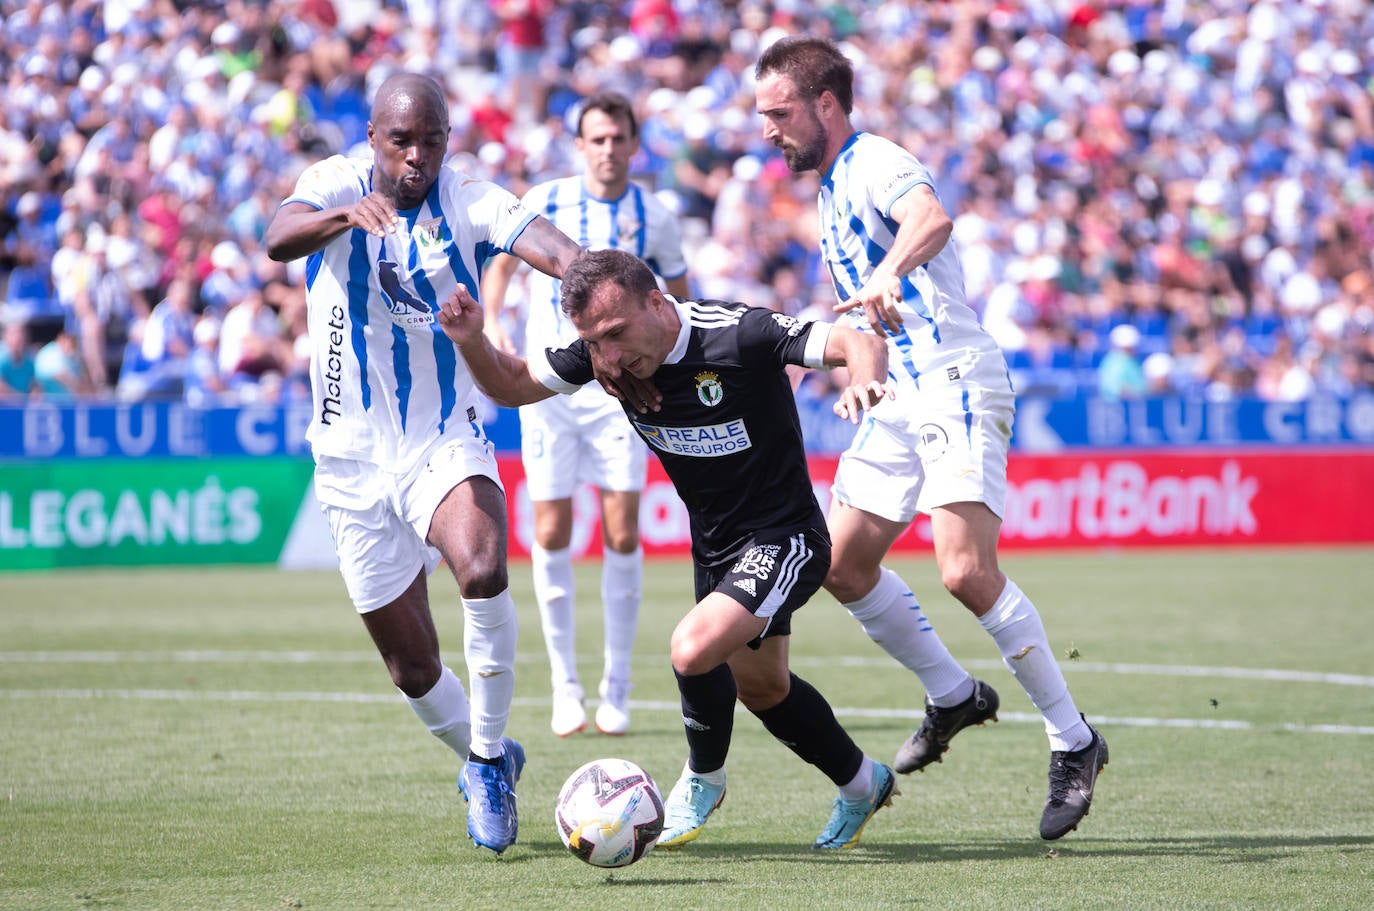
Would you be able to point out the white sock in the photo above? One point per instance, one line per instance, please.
(444, 710)
(622, 577)
(1015, 626)
(892, 617)
(554, 589)
(489, 632)
(860, 784)
(716, 778)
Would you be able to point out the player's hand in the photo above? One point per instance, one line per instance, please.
(881, 300)
(375, 214)
(855, 400)
(642, 395)
(460, 316)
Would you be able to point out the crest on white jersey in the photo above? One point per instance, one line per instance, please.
(429, 233)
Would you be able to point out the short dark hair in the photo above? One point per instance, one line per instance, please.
(595, 268)
(814, 65)
(613, 105)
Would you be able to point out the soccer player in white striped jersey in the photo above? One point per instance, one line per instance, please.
(584, 438)
(940, 446)
(403, 470)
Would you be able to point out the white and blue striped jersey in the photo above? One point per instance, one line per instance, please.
(940, 331)
(386, 382)
(636, 222)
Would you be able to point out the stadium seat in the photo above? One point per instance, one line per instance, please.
(29, 285)
(29, 299)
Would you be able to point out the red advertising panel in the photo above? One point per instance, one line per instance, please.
(1085, 499)
(1253, 496)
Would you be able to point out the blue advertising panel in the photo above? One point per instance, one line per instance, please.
(1049, 425)
(90, 430)
(1054, 425)
(106, 430)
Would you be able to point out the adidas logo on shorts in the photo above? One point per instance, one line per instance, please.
(746, 585)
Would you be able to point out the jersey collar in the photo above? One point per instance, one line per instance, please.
(828, 177)
(588, 194)
(684, 331)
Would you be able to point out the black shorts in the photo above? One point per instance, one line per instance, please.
(772, 575)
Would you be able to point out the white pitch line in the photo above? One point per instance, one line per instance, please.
(266, 656)
(188, 656)
(1129, 669)
(1234, 673)
(652, 706)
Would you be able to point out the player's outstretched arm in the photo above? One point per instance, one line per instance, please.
(503, 378)
(865, 357)
(925, 229)
(545, 247)
(298, 229)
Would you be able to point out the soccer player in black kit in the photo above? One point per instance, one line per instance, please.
(705, 384)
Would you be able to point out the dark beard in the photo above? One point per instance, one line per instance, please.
(808, 157)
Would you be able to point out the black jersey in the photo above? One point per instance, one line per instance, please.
(727, 433)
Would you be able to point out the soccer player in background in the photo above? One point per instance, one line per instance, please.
(584, 437)
(727, 432)
(940, 446)
(404, 472)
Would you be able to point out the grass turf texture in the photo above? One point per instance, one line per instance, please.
(227, 738)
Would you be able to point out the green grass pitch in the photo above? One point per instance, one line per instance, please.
(227, 739)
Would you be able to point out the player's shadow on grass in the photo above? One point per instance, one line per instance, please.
(865, 853)
(1226, 848)
(1233, 849)
(627, 878)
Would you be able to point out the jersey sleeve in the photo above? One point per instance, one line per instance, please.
(890, 174)
(330, 182)
(494, 212)
(563, 370)
(765, 333)
(536, 198)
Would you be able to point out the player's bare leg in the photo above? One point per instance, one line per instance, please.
(404, 634)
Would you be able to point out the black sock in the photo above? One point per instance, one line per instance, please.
(804, 723)
(708, 715)
(473, 757)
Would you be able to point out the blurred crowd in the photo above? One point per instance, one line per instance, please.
(1150, 196)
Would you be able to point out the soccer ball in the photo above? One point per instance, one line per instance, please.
(609, 813)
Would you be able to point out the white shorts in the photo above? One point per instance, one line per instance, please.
(582, 438)
(380, 519)
(950, 447)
